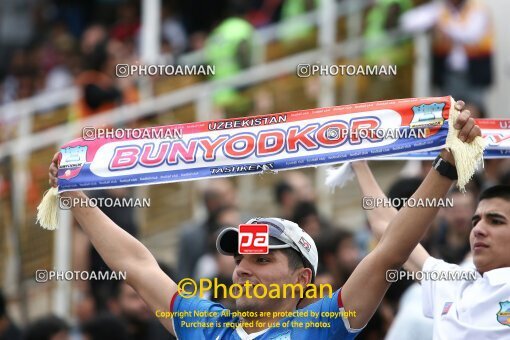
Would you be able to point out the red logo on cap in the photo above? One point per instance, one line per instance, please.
(253, 239)
(305, 244)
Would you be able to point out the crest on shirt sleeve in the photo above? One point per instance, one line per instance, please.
(503, 314)
(446, 308)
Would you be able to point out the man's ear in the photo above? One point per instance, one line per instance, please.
(305, 276)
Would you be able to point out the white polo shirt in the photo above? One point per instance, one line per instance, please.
(478, 309)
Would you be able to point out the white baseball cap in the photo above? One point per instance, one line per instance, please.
(282, 234)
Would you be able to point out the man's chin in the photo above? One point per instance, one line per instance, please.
(244, 305)
(482, 264)
(478, 262)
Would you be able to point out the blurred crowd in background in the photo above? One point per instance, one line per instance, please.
(113, 310)
(56, 44)
(46, 45)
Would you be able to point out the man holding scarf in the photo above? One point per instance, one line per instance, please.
(362, 292)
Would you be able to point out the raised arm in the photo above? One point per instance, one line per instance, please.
(367, 285)
(380, 217)
(123, 252)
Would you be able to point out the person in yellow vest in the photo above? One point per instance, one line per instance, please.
(382, 49)
(292, 29)
(382, 19)
(462, 46)
(229, 49)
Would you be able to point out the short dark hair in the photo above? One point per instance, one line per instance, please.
(297, 261)
(497, 191)
(294, 258)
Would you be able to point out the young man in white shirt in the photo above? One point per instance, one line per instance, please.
(464, 308)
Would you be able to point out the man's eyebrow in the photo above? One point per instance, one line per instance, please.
(494, 214)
